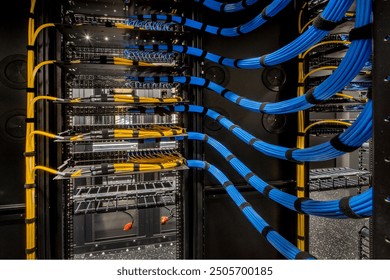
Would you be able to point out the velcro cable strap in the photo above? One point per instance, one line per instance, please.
(224, 92)
(289, 155)
(30, 186)
(346, 208)
(227, 184)
(324, 24)
(30, 250)
(244, 205)
(249, 175)
(233, 126)
(30, 89)
(310, 97)
(30, 221)
(262, 107)
(29, 120)
(303, 256)
(31, 15)
(262, 61)
(239, 30)
(267, 190)
(336, 143)
(30, 48)
(245, 4)
(253, 141)
(222, 8)
(207, 166)
(29, 154)
(298, 204)
(220, 117)
(361, 33)
(230, 157)
(264, 15)
(266, 230)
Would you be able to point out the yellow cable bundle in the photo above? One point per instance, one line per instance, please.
(140, 99)
(128, 62)
(153, 132)
(125, 26)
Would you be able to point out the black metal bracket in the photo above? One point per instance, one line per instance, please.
(381, 99)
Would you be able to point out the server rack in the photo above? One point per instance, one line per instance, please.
(65, 56)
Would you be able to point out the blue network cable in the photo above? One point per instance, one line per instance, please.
(351, 139)
(359, 50)
(359, 206)
(283, 246)
(227, 7)
(355, 59)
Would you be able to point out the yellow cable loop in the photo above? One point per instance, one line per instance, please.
(38, 67)
(345, 95)
(300, 17)
(46, 169)
(323, 44)
(318, 70)
(125, 26)
(39, 29)
(41, 97)
(326, 122)
(307, 25)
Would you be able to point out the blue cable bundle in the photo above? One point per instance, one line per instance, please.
(355, 59)
(149, 56)
(351, 139)
(150, 25)
(283, 246)
(359, 206)
(227, 7)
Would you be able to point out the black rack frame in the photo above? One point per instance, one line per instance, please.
(380, 229)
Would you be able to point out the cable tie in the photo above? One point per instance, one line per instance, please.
(31, 89)
(264, 15)
(169, 48)
(289, 155)
(262, 61)
(155, 47)
(156, 79)
(238, 100)
(244, 205)
(298, 204)
(300, 237)
(168, 19)
(227, 184)
(267, 190)
(249, 175)
(323, 24)
(253, 141)
(183, 21)
(31, 15)
(222, 8)
(336, 143)
(186, 107)
(266, 230)
(153, 17)
(224, 91)
(220, 117)
(136, 167)
(239, 30)
(309, 96)
(203, 55)
(30, 221)
(204, 111)
(29, 154)
(140, 17)
(170, 79)
(203, 28)
(303, 256)
(30, 47)
(233, 126)
(206, 83)
(188, 80)
(220, 60)
(361, 33)
(346, 209)
(235, 63)
(206, 138)
(207, 166)
(301, 134)
(141, 79)
(29, 120)
(230, 157)
(185, 49)
(30, 186)
(30, 250)
(262, 107)
(141, 47)
(219, 31)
